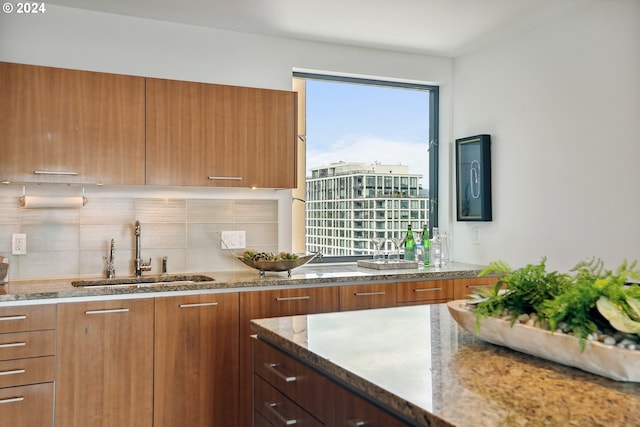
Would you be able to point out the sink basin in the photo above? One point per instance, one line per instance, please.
(144, 281)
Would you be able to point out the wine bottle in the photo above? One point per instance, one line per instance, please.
(409, 245)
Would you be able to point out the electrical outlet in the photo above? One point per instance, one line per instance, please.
(475, 235)
(19, 244)
(233, 240)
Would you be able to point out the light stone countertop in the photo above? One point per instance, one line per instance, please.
(417, 361)
(243, 279)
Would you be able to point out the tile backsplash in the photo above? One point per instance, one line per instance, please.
(64, 242)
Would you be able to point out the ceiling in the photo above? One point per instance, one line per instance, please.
(435, 27)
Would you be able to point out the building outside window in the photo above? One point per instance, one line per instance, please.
(371, 162)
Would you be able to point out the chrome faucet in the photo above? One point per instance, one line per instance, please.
(140, 265)
(111, 268)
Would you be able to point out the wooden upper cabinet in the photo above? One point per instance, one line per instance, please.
(69, 126)
(202, 134)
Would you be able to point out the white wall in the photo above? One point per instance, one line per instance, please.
(562, 103)
(73, 38)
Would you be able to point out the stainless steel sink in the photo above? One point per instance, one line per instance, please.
(143, 282)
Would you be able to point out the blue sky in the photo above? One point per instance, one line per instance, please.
(364, 123)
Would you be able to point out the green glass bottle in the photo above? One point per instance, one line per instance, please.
(427, 245)
(409, 245)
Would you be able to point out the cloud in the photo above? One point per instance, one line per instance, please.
(371, 149)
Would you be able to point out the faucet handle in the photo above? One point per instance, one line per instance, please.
(145, 265)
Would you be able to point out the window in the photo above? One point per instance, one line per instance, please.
(371, 160)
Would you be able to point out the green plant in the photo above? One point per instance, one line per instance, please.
(589, 299)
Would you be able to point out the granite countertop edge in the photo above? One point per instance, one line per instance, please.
(237, 280)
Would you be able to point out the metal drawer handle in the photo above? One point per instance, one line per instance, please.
(73, 173)
(356, 423)
(272, 407)
(198, 304)
(366, 294)
(15, 371)
(478, 286)
(293, 298)
(13, 344)
(427, 289)
(228, 178)
(114, 310)
(12, 318)
(12, 400)
(272, 367)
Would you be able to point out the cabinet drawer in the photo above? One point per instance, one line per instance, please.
(278, 409)
(299, 382)
(465, 287)
(27, 318)
(20, 345)
(27, 406)
(353, 410)
(425, 291)
(260, 421)
(26, 371)
(358, 297)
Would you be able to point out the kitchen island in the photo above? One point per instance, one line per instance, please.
(418, 365)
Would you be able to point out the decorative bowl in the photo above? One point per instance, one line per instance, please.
(608, 361)
(280, 265)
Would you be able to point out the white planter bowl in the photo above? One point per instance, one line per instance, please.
(608, 361)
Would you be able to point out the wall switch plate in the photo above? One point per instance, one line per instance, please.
(19, 244)
(233, 240)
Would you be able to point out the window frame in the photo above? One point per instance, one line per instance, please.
(433, 143)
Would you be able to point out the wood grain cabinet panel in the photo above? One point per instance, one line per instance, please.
(27, 406)
(425, 292)
(202, 134)
(19, 345)
(463, 287)
(104, 366)
(71, 126)
(274, 303)
(27, 318)
(294, 379)
(196, 360)
(359, 297)
(347, 409)
(27, 359)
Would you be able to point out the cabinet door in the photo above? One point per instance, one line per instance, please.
(266, 135)
(71, 126)
(358, 297)
(215, 135)
(196, 361)
(276, 303)
(176, 138)
(104, 374)
(463, 287)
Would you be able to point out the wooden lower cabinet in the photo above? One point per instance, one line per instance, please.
(289, 392)
(196, 360)
(274, 303)
(27, 359)
(104, 374)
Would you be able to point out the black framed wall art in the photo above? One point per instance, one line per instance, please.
(473, 178)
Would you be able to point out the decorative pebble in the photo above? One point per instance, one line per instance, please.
(609, 341)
